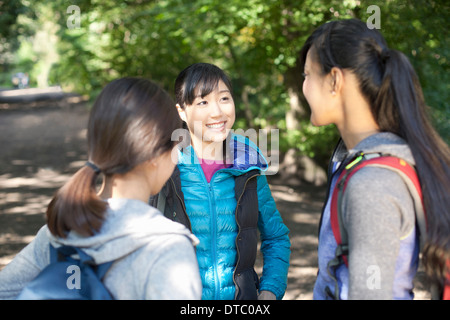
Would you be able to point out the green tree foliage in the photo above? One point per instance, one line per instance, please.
(10, 29)
(256, 41)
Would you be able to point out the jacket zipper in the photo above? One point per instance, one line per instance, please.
(237, 237)
(213, 240)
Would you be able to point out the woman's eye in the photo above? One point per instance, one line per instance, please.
(304, 75)
(202, 103)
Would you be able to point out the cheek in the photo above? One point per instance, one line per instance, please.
(194, 118)
(231, 114)
(306, 89)
(191, 116)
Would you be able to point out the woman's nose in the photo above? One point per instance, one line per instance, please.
(216, 109)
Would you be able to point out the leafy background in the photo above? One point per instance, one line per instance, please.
(255, 41)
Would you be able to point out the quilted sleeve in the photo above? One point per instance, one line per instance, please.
(275, 243)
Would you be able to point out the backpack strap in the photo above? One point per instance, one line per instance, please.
(66, 253)
(409, 175)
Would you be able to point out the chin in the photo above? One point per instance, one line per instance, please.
(217, 137)
(317, 123)
(314, 122)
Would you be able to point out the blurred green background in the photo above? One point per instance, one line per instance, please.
(256, 42)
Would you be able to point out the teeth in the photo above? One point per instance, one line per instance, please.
(215, 126)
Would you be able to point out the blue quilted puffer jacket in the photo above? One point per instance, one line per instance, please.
(213, 218)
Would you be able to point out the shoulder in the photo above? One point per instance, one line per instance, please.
(375, 182)
(373, 177)
(263, 186)
(41, 246)
(176, 245)
(380, 196)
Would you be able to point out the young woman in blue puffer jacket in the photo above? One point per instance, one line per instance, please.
(219, 191)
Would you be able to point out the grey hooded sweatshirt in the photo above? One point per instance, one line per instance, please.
(154, 257)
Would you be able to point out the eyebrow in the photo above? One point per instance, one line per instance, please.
(221, 91)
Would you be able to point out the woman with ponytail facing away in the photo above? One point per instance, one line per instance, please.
(129, 146)
(373, 96)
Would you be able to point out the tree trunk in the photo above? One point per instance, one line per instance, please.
(247, 110)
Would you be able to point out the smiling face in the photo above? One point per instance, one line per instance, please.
(209, 118)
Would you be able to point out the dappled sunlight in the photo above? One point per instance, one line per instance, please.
(300, 209)
(41, 149)
(44, 178)
(31, 194)
(300, 217)
(23, 202)
(29, 206)
(286, 195)
(300, 280)
(14, 238)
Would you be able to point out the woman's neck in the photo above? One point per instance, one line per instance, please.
(128, 186)
(357, 121)
(351, 139)
(208, 150)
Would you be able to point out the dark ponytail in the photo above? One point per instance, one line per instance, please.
(76, 206)
(393, 90)
(401, 94)
(132, 121)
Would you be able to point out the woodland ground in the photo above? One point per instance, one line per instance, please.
(43, 143)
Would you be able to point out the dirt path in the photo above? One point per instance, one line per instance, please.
(41, 146)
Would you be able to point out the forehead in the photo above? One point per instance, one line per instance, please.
(309, 60)
(204, 89)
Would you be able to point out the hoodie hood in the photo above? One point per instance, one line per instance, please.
(129, 225)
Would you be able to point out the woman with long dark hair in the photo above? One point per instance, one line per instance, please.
(130, 146)
(373, 96)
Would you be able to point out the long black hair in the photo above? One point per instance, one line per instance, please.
(392, 88)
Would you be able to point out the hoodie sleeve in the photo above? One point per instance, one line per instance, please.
(275, 243)
(25, 266)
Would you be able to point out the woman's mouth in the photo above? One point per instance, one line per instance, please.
(217, 125)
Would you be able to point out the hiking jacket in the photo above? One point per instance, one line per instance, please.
(154, 257)
(379, 216)
(225, 215)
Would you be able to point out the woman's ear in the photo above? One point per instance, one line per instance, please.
(181, 112)
(336, 80)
